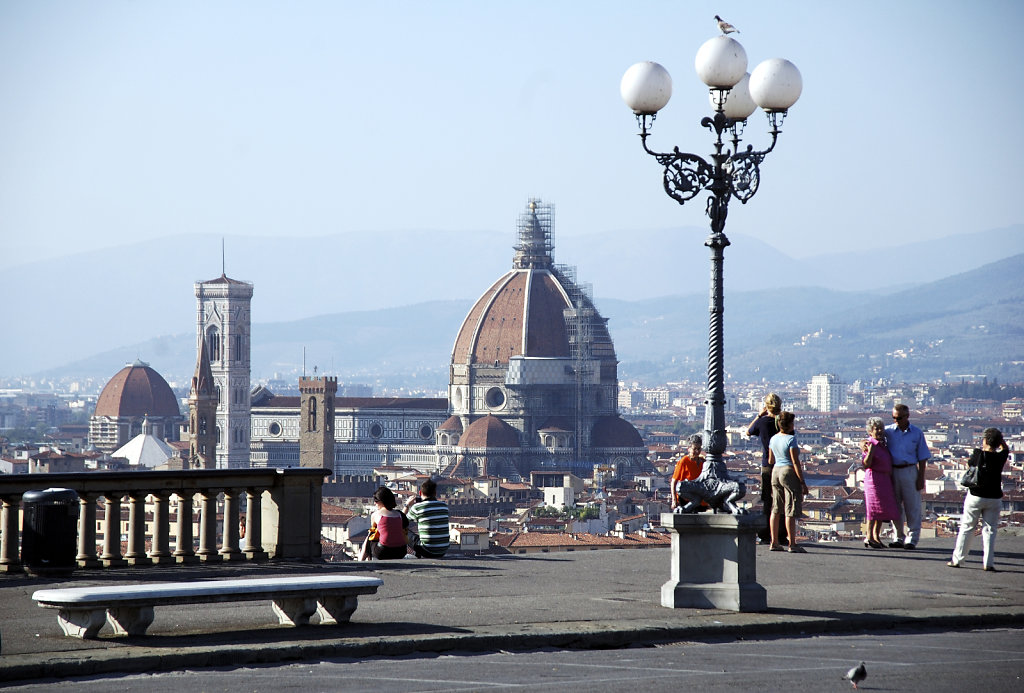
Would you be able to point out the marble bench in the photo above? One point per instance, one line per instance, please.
(129, 608)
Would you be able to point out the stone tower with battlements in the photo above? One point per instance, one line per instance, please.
(316, 422)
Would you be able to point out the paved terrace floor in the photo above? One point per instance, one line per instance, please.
(584, 599)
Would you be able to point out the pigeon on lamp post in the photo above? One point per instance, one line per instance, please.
(725, 26)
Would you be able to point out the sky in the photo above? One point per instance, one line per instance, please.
(127, 120)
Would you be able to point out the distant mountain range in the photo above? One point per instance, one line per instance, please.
(968, 323)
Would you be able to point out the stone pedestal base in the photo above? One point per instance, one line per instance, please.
(713, 563)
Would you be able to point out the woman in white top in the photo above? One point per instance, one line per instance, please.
(788, 486)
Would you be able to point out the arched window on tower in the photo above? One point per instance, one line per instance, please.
(311, 425)
(202, 425)
(329, 414)
(236, 347)
(213, 343)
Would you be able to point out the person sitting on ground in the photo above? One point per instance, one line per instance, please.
(788, 485)
(431, 517)
(386, 539)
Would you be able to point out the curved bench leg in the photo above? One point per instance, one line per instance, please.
(294, 611)
(130, 620)
(336, 609)
(81, 623)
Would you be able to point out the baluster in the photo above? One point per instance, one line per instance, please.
(254, 525)
(9, 553)
(86, 557)
(112, 531)
(136, 553)
(185, 551)
(229, 547)
(161, 549)
(207, 524)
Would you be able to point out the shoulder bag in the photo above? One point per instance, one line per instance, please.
(970, 478)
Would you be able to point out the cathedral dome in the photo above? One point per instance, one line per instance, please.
(615, 432)
(490, 432)
(137, 390)
(524, 312)
(520, 315)
(452, 423)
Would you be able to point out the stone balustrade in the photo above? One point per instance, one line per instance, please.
(287, 525)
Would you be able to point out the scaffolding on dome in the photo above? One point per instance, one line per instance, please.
(536, 236)
(579, 322)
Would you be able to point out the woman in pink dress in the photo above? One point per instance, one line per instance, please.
(879, 496)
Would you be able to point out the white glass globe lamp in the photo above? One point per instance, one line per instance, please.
(775, 85)
(646, 88)
(739, 104)
(721, 62)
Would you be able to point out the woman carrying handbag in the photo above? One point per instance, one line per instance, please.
(983, 500)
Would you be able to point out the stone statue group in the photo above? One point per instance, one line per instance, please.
(714, 487)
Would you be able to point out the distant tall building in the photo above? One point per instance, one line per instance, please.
(223, 325)
(826, 393)
(316, 422)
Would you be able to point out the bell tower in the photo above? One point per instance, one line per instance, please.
(223, 327)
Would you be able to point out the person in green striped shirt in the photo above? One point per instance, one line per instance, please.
(431, 517)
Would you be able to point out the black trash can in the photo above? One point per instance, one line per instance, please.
(49, 531)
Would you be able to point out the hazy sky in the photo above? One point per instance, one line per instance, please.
(128, 120)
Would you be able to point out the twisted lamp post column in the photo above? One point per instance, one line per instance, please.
(774, 85)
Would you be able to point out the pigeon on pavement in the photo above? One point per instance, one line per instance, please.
(857, 674)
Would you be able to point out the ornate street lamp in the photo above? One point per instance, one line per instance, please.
(775, 86)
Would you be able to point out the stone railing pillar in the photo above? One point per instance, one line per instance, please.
(229, 546)
(713, 563)
(185, 551)
(207, 524)
(160, 552)
(253, 546)
(86, 557)
(136, 553)
(112, 531)
(10, 556)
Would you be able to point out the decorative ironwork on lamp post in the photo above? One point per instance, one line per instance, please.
(774, 85)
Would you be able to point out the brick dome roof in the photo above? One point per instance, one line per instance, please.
(615, 432)
(519, 315)
(490, 432)
(452, 423)
(137, 390)
(523, 313)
